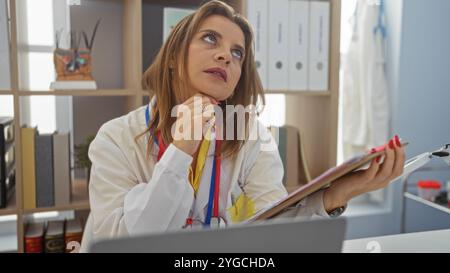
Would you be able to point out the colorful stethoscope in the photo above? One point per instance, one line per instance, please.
(212, 218)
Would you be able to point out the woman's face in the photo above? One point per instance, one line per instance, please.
(215, 57)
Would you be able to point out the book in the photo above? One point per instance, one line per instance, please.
(296, 172)
(73, 233)
(54, 237)
(34, 238)
(319, 45)
(278, 45)
(298, 45)
(28, 167)
(45, 196)
(7, 161)
(7, 129)
(322, 181)
(171, 17)
(258, 17)
(61, 170)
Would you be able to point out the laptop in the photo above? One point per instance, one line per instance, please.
(271, 236)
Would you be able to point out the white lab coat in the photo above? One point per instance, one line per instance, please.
(365, 90)
(130, 195)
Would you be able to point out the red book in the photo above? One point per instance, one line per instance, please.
(34, 238)
(73, 235)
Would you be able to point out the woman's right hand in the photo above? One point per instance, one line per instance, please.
(197, 110)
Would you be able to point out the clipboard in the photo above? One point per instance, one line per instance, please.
(320, 182)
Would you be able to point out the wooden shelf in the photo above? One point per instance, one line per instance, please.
(285, 92)
(427, 203)
(299, 92)
(79, 199)
(83, 93)
(11, 208)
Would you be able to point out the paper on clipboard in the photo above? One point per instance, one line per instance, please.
(316, 184)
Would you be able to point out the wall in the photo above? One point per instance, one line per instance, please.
(421, 102)
(107, 51)
(152, 25)
(89, 113)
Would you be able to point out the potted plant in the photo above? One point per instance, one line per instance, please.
(81, 156)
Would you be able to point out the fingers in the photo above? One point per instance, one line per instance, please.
(208, 126)
(205, 99)
(378, 175)
(399, 158)
(371, 172)
(199, 105)
(198, 115)
(394, 161)
(212, 99)
(388, 164)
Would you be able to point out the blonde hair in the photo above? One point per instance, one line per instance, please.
(168, 73)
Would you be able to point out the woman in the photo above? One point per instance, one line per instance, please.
(150, 173)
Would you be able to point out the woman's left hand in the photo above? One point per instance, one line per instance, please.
(377, 176)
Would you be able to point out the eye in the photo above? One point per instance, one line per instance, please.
(209, 38)
(237, 53)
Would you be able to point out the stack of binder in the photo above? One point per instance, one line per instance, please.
(291, 43)
(7, 160)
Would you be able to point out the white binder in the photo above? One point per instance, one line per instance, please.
(298, 45)
(319, 45)
(257, 14)
(278, 44)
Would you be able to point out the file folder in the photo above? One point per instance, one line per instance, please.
(298, 45)
(278, 44)
(257, 14)
(319, 45)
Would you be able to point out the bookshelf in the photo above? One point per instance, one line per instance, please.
(79, 199)
(314, 113)
(83, 93)
(10, 208)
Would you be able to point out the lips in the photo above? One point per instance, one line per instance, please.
(218, 72)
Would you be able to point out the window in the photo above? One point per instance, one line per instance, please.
(347, 11)
(35, 45)
(6, 106)
(274, 113)
(348, 8)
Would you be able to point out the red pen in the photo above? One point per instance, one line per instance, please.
(382, 147)
(378, 149)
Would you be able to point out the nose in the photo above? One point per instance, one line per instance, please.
(223, 56)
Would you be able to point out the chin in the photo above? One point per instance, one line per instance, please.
(218, 94)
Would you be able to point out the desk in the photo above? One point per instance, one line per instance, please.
(428, 241)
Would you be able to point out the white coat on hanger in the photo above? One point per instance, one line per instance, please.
(365, 90)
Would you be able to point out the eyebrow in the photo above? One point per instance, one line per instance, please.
(220, 36)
